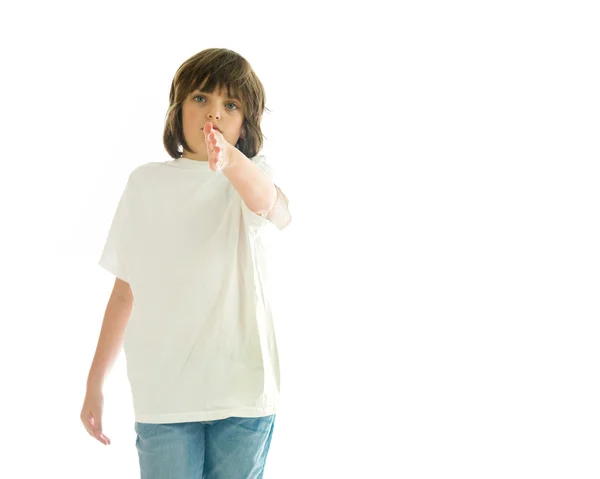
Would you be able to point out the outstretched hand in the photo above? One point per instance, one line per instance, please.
(217, 148)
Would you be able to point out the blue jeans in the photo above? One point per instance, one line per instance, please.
(231, 448)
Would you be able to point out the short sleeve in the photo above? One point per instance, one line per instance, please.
(279, 215)
(113, 255)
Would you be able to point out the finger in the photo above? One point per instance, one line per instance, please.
(97, 423)
(91, 431)
(88, 422)
(101, 437)
(97, 429)
(208, 129)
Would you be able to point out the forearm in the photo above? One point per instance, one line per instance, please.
(116, 316)
(254, 186)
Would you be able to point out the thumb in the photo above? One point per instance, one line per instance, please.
(96, 421)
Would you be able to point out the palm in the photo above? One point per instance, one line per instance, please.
(217, 148)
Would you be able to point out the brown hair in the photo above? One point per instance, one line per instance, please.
(217, 67)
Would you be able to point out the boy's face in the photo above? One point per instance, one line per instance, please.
(224, 113)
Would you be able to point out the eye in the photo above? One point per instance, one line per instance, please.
(232, 108)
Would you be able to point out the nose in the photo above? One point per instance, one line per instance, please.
(214, 114)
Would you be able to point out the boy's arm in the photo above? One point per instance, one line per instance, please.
(118, 311)
(257, 190)
(254, 186)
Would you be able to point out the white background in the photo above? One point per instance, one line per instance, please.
(437, 291)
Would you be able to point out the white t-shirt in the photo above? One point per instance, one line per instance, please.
(200, 343)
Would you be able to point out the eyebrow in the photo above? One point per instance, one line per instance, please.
(197, 90)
